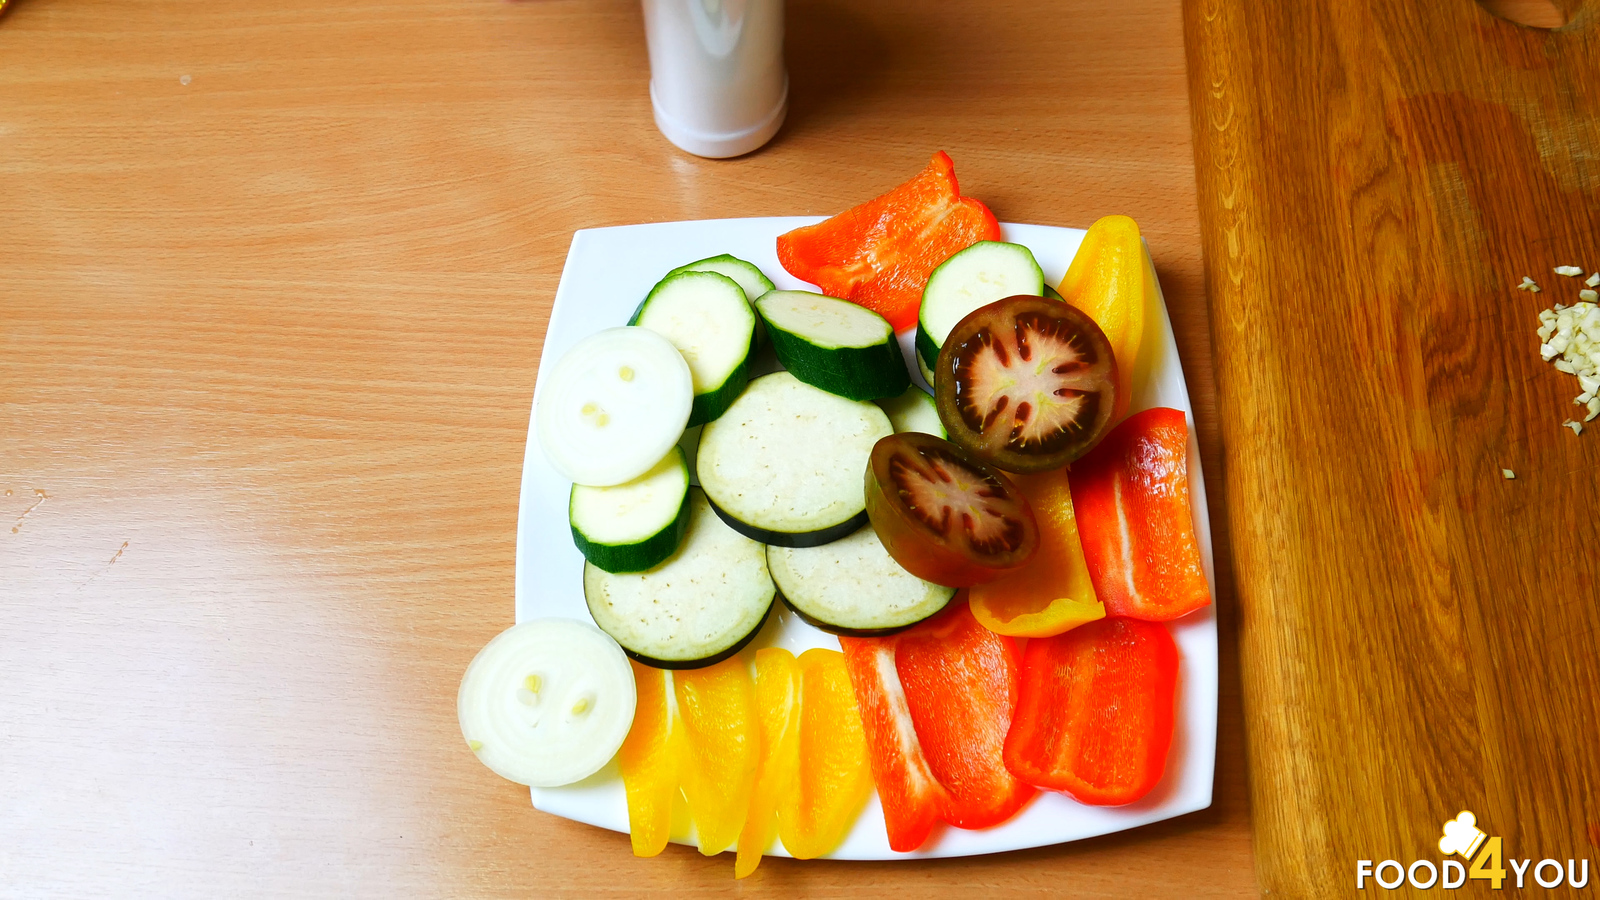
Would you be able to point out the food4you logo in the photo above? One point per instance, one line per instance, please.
(1462, 837)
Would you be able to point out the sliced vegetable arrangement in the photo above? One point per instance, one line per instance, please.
(929, 531)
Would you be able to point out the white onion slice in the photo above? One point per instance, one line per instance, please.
(613, 406)
(547, 702)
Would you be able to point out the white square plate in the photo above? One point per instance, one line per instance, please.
(608, 271)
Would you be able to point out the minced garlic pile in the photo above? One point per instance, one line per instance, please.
(1570, 341)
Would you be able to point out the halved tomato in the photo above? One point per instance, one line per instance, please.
(944, 516)
(1026, 384)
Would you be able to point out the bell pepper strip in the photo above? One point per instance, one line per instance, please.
(1131, 493)
(834, 777)
(717, 707)
(1052, 592)
(648, 761)
(960, 682)
(1095, 711)
(1111, 279)
(879, 254)
(913, 799)
(778, 710)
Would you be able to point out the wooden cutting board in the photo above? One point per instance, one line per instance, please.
(1419, 635)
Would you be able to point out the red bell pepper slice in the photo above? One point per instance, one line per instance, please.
(960, 680)
(937, 702)
(1131, 495)
(1094, 715)
(913, 799)
(879, 254)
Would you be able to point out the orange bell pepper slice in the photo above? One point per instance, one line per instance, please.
(879, 254)
(913, 799)
(1113, 281)
(834, 776)
(778, 709)
(1132, 496)
(717, 706)
(1052, 592)
(649, 762)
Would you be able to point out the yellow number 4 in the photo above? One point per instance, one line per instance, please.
(1488, 864)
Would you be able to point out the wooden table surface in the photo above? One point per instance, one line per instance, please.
(274, 282)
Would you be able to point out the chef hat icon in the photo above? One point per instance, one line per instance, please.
(1461, 835)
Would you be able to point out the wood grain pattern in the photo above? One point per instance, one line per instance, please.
(1418, 633)
(275, 279)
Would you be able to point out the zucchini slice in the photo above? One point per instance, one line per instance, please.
(914, 411)
(613, 406)
(749, 276)
(853, 586)
(547, 702)
(977, 276)
(631, 526)
(833, 344)
(706, 316)
(786, 465)
(1051, 293)
(699, 607)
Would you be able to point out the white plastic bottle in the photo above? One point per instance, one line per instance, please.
(717, 79)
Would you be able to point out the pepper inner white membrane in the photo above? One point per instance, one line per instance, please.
(613, 406)
(547, 702)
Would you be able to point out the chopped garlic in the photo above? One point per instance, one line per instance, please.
(1569, 339)
(1508, 474)
(1528, 285)
(1569, 271)
(1593, 280)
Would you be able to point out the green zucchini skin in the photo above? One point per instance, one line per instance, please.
(710, 404)
(856, 373)
(1050, 293)
(791, 538)
(927, 350)
(754, 281)
(646, 554)
(951, 283)
(844, 364)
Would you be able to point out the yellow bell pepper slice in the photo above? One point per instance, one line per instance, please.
(649, 762)
(717, 707)
(778, 708)
(834, 778)
(1111, 280)
(1052, 593)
